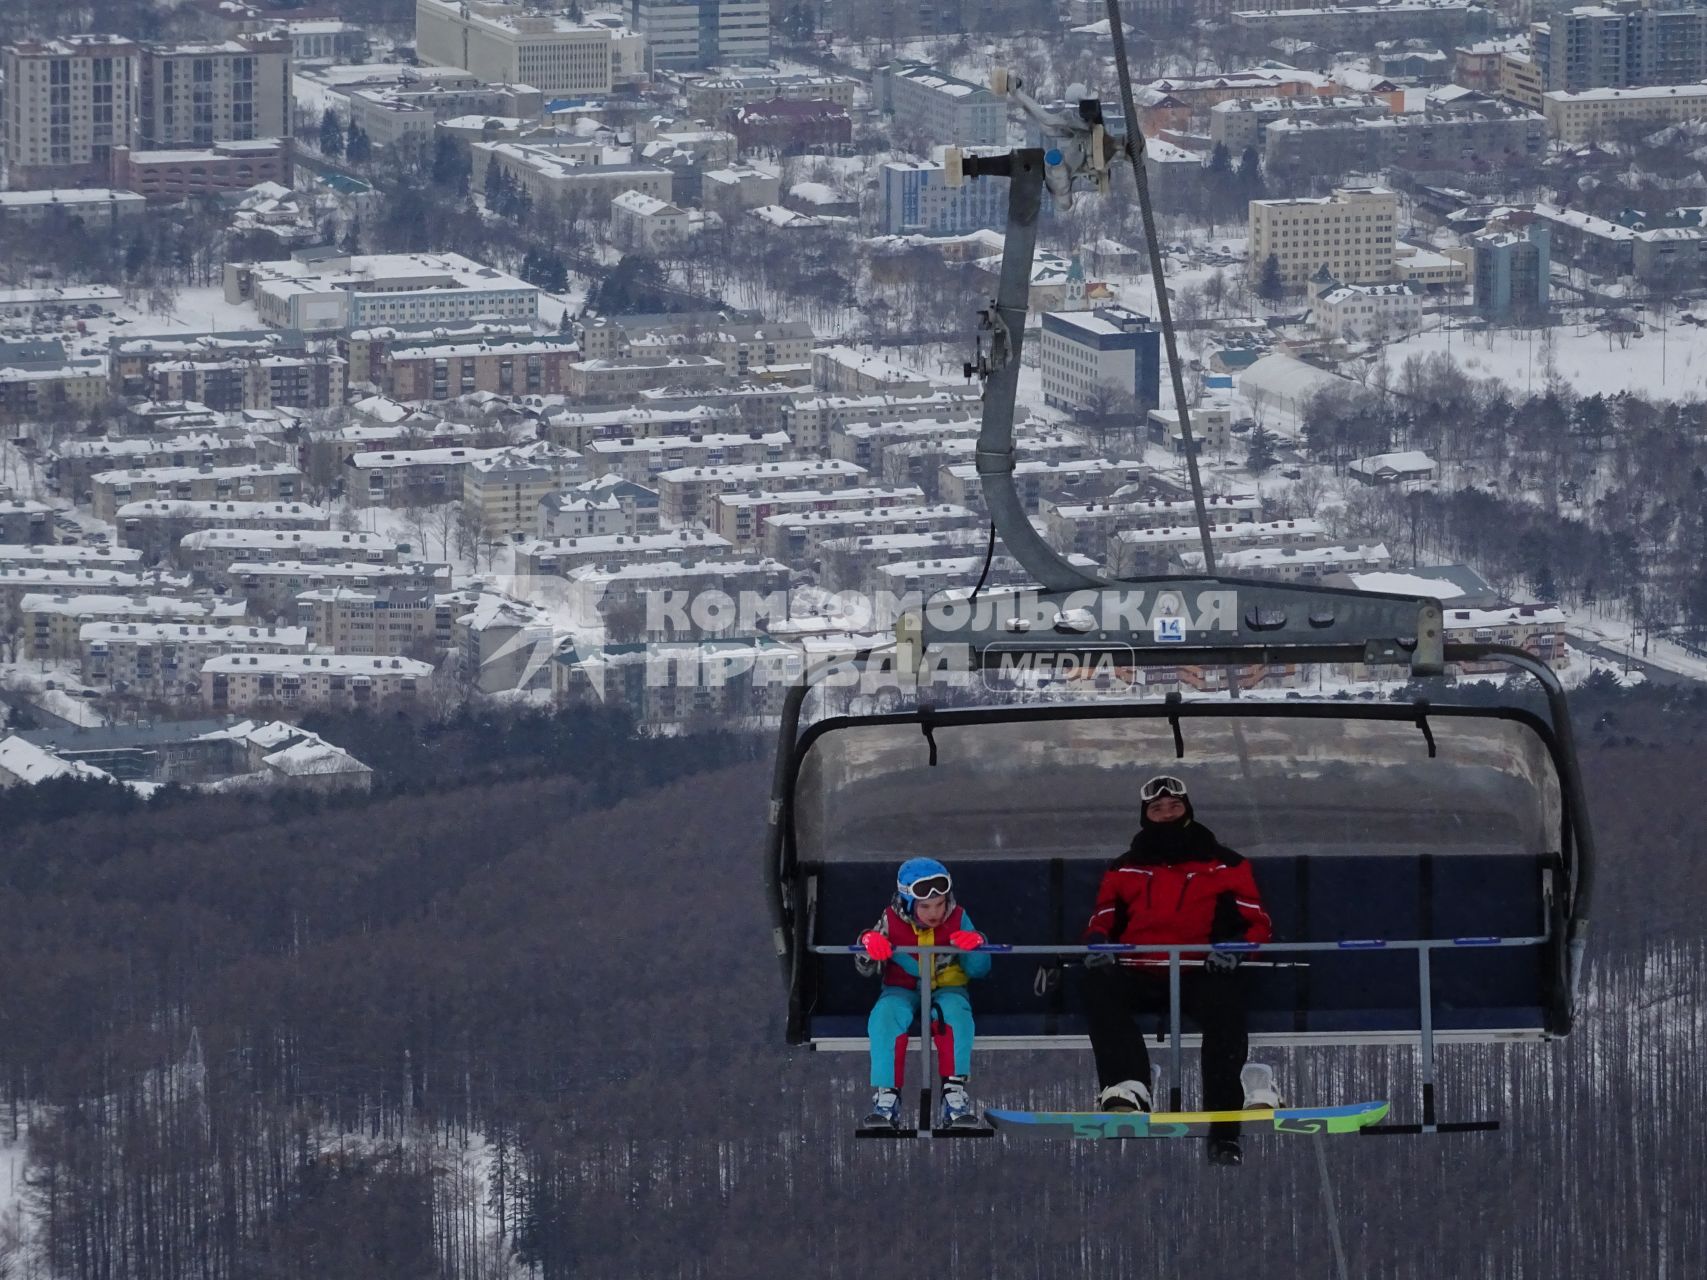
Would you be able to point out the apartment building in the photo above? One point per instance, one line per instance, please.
(577, 428)
(1239, 123)
(1141, 552)
(272, 586)
(605, 505)
(646, 224)
(935, 109)
(799, 537)
(68, 103)
(742, 518)
(435, 369)
(1357, 311)
(502, 491)
(164, 659)
(1512, 270)
(380, 620)
(742, 340)
(635, 599)
(685, 494)
(210, 553)
(1594, 115)
(96, 207)
(1039, 479)
(607, 381)
(559, 557)
(704, 33)
(410, 112)
(156, 526)
(1088, 354)
(52, 624)
(249, 482)
(1446, 22)
(38, 379)
(195, 95)
(239, 680)
(554, 172)
(1308, 565)
(1087, 527)
(789, 124)
(643, 460)
(712, 97)
(1620, 46)
(399, 477)
(812, 420)
(512, 43)
(23, 520)
(228, 372)
(1351, 233)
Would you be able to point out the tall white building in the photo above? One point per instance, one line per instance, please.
(194, 95)
(68, 103)
(704, 33)
(937, 109)
(509, 43)
(1350, 233)
(307, 294)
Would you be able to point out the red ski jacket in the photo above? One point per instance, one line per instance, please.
(1204, 894)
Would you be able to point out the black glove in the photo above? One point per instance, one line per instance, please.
(1098, 959)
(1222, 962)
(1047, 979)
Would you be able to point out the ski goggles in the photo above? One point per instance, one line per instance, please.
(928, 887)
(1164, 785)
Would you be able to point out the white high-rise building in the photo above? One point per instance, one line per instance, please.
(704, 33)
(194, 95)
(509, 43)
(68, 104)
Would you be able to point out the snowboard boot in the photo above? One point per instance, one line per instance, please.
(1257, 1080)
(957, 1109)
(1225, 1151)
(885, 1110)
(1127, 1096)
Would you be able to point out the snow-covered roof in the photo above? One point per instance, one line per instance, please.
(1406, 584)
(30, 764)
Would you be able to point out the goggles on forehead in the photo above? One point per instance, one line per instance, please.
(927, 887)
(1165, 785)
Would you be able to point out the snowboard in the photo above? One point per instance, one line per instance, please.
(1185, 1124)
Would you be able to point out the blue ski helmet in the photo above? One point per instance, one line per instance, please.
(921, 874)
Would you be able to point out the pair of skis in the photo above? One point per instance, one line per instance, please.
(1351, 1118)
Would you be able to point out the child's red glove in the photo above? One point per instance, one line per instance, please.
(967, 939)
(876, 945)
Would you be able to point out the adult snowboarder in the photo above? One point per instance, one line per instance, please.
(922, 913)
(1176, 885)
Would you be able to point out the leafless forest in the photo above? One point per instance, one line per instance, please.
(246, 1040)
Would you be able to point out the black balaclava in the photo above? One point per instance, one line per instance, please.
(1170, 841)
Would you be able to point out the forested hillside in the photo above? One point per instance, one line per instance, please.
(199, 998)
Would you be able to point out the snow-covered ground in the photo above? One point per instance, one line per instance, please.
(1666, 364)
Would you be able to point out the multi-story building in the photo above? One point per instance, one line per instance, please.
(1521, 79)
(799, 537)
(790, 124)
(1087, 354)
(228, 372)
(742, 340)
(238, 680)
(558, 557)
(18, 581)
(411, 112)
(714, 97)
(194, 95)
(53, 623)
(384, 620)
(914, 197)
(251, 483)
(68, 103)
(1350, 233)
(704, 33)
(1358, 311)
(1243, 122)
(645, 224)
(399, 477)
(24, 521)
(315, 293)
(512, 43)
(438, 369)
(1080, 479)
(644, 459)
(1594, 115)
(1621, 45)
(731, 191)
(52, 555)
(1446, 22)
(586, 172)
(609, 381)
(81, 459)
(1512, 270)
(811, 421)
(156, 526)
(164, 659)
(185, 174)
(502, 492)
(652, 600)
(96, 208)
(271, 587)
(1156, 549)
(686, 494)
(1086, 527)
(38, 379)
(1308, 565)
(933, 108)
(1487, 134)
(742, 518)
(210, 553)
